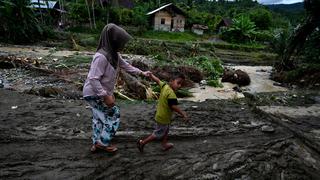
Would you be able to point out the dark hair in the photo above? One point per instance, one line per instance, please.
(176, 75)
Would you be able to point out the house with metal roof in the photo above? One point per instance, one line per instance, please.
(168, 18)
(42, 4)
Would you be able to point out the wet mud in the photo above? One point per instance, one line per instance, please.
(49, 138)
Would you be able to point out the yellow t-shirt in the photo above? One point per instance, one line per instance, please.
(164, 112)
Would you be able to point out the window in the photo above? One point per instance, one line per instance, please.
(163, 21)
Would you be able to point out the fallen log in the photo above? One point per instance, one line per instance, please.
(134, 85)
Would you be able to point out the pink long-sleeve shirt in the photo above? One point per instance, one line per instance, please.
(102, 76)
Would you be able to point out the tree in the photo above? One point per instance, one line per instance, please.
(18, 21)
(261, 18)
(299, 37)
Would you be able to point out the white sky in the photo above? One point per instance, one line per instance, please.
(279, 1)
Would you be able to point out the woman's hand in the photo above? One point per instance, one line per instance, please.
(109, 100)
(146, 73)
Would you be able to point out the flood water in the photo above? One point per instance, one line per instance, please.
(260, 82)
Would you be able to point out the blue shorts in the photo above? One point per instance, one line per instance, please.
(161, 130)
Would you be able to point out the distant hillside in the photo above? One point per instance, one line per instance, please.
(287, 7)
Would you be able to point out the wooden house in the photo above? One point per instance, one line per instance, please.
(168, 18)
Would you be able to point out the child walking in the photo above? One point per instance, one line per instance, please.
(167, 103)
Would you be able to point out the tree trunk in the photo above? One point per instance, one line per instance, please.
(88, 8)
(40, 11)
(93, 14)
(134, 85)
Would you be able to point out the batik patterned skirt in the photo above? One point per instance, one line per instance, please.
(105, 120)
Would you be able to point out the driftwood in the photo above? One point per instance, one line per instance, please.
(25, 63)
(134, 85)
(8, 62)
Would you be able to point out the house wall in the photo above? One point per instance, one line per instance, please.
(178, 23)
(157, 21)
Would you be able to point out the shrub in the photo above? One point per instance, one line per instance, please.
(261, 17)
(242, 30)
(210, 66)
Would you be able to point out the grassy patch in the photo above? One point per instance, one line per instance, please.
(170, 36)
(74, 61)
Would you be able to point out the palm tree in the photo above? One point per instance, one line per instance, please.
(298, 38)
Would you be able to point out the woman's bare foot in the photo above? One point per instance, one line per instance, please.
(93, 148)
(110, 148)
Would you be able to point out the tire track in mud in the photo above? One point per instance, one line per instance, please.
(46, 139)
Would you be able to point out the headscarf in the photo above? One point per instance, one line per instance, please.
(112, 39)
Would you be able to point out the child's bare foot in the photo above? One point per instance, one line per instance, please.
(167, 146)
(140, 145)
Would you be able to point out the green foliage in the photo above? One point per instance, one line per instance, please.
(72, 61)
(18, 22)
(170, 36)
(139, 17)
(261, 17)
(210, 66)
(214, 83)
(242, 30)
(280, 40)
(77, 12)
(311, 50)
(262, 36)
(183, 92)
(303, 71)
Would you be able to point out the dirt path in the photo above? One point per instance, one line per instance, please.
(45, 138)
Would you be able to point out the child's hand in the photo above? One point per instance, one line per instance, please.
(184, 116)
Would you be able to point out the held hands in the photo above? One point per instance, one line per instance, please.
(146, 73)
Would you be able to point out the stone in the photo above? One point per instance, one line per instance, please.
(268, 129)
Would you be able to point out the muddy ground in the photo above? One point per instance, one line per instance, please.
(47, 138)
(262, 136)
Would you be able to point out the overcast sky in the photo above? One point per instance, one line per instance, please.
(279, 1)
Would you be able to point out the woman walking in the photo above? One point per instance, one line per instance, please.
(99, 85)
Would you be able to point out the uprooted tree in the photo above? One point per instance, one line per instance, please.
(298, 38)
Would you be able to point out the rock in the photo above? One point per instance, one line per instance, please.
(203, 82)
(268, 129)
(236, 77)
(277, 84)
